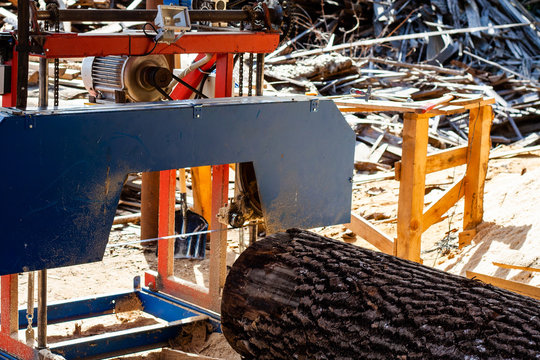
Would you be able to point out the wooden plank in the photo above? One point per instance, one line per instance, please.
(201, 179)
(412, 186)
(477, 164)
(442, 160)
(134, 218)
(420, 107)
(436, 210)
(520, 288)
(515, 259)
(465, 237)
(172, 354)
(513, 152)
(371, 234)
(218, 241)
(446, 159)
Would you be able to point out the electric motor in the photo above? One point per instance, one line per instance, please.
(116, 77)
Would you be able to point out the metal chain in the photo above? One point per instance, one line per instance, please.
(30, 338)
(250, 76)
(56, 88)
(241, 76)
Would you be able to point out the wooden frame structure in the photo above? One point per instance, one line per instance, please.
(411, 171)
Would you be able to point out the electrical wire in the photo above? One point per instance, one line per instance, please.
(150, 37)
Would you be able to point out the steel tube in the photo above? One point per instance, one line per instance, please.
(117, 15)
(42, 309)
(259, 75)
(43, 83)
(23, 48)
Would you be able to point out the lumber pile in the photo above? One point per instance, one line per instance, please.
(299, 295)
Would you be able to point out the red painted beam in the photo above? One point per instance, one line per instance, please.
(10, 99)
(70, 45)
(17, 348)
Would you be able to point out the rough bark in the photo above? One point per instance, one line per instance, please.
(297, 295)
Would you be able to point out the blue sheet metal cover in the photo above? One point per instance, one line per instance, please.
(62, 171)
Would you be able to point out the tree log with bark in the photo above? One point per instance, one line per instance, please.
(298, 295)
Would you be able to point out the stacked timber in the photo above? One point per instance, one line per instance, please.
(297, 295)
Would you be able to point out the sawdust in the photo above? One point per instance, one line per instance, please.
(127, 306)
(192, 338)
(99, 325)
(218, 347)
(511, 222)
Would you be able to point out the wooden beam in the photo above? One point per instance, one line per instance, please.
(172, 354)
(218, 241)
(420, 107)
(436, 210)
(515, 259)
(477, 164)
(520, 288)
(412, 187)
(465, 237)
(371, 234)
(442, 160)
(201, 180)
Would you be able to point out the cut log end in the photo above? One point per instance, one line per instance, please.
(299, 295)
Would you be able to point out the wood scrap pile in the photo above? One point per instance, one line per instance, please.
(416, 50)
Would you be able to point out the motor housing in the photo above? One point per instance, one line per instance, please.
(123, 78)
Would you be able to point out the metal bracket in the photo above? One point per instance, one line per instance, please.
(197, 111)
(314, 105)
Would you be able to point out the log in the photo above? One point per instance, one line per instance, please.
(298, 295)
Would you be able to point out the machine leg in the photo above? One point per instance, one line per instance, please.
(43, 83)
(42, 309)
(260, 75)
(10, 99)
(9, 307)
(167, 188)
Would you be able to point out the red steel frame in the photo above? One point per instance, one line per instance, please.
(224, 45)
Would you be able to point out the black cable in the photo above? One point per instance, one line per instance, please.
(162, 92)
(149, 36)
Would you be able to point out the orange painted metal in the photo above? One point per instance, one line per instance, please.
(10, 100)
(69, 45)
(194, 78)
(167, 187)
(16, 348)
(9, 320)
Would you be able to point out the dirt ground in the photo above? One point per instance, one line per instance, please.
(512, 204)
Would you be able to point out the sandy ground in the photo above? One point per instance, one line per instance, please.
(512, 205)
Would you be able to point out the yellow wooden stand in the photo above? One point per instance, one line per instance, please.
(413, 221)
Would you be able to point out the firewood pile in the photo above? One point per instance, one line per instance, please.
(417, 50)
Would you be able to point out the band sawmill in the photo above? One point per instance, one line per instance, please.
(293, 294)
(145, 119)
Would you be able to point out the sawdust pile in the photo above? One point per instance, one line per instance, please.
(511, 222)
(217, 346)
